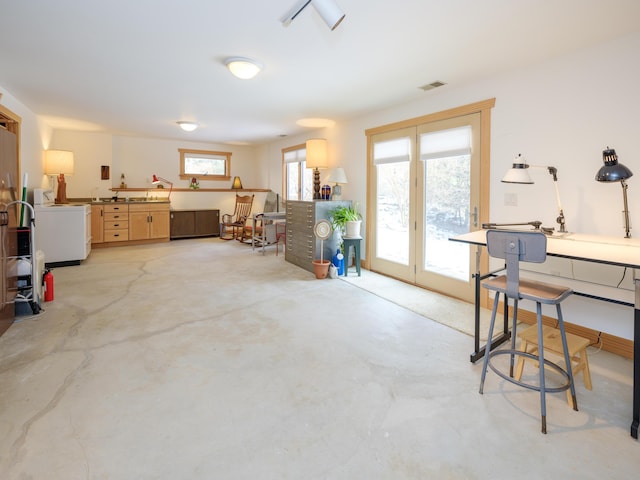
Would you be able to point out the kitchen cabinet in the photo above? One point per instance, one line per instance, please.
(302, 246)
(149, 221)
(195, 223)
(116, 223)
(109, 223)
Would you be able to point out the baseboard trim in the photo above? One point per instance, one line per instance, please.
(605, 341)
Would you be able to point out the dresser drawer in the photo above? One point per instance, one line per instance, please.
(116, 235)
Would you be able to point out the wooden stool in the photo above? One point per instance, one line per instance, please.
(552, 342)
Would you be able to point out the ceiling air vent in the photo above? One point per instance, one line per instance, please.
(431, 86)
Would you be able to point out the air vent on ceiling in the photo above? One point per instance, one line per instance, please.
(431, 86)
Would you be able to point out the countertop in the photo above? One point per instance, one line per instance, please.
(109, 201)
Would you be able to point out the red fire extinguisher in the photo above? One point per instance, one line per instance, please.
(48, 286)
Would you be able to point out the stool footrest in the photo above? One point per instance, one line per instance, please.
(515, 381)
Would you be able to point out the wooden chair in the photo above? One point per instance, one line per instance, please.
(233, 225)
(515, 247)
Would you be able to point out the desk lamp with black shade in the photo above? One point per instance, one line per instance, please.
(612, 171)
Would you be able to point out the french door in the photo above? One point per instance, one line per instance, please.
(424, 189)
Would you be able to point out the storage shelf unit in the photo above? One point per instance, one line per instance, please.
(302, 246)
(195, 223)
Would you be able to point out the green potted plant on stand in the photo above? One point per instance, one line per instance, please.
(347, 220)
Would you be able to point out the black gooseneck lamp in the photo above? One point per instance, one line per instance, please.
(612, 171)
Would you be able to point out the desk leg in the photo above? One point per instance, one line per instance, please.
(479, 352)
(636, 361)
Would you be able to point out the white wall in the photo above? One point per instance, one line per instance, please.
(140, 158)
(562, 113)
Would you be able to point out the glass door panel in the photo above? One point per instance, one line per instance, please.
(449, 199)
(393, 219)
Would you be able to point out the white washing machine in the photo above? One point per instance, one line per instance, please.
(62, 231)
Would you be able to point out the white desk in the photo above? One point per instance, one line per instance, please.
(622, 252)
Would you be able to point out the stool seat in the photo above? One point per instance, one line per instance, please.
(553, 342)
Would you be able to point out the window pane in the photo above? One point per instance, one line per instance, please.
(392, 212)
(292, 176)
(199, 165)
(446, 207)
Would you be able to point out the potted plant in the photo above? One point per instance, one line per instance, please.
(347, 220)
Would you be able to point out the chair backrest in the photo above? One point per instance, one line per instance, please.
(244, 203)
(271, 202)
(515, 247)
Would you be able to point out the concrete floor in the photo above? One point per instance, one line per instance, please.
(201, 359)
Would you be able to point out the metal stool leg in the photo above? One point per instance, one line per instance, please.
(567, 357)
(543, 401)
(513, 336)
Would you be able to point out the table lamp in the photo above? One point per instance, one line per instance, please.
(158, 180)
(316, 158)
(337, 176)
(518, 173)
(60, 163)
(236, 184)
(612, 171)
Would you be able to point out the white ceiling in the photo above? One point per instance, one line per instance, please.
(136, 67)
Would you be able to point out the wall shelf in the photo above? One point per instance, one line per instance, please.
(190, 190)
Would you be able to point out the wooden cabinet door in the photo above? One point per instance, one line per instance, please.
(139, 225)
(159, 224)
(97, 224)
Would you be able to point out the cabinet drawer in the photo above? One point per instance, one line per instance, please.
(115, 216)
(116, 209)
(116, 225)
(149, 207)
(116, 235)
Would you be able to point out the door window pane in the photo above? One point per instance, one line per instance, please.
(447, 182)
(392, 161)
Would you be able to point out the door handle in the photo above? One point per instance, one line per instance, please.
(475, 216)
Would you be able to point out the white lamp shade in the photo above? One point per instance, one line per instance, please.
(316, 156)
(58, 161)
(518, 173)
(337, 175)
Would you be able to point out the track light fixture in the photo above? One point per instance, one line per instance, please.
(327, 9)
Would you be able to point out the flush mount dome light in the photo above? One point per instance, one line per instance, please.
(316, 122)
(188, 126)
(242, 67)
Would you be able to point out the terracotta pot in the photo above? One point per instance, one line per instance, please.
(321, 269)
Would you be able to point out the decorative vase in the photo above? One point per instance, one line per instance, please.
(321, 268)
(352, 229)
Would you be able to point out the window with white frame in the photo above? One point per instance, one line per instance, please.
(297, 178)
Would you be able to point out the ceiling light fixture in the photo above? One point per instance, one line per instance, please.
(188, 126)
(316, 122)
(242, 67)
(327, 9)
